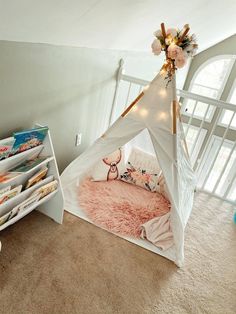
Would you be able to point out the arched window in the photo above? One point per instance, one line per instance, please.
(209, 80)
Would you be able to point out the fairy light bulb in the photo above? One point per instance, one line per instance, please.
(163, 71)
(162, 92)
(146, 88)
(162, 116)
(143, 112)
(134, 108)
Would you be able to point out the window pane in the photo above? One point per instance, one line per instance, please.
(227, 175)
(217, 168)
(203, 109)
(232, 193)
(210, 154)
(190, 136)
(227, 114)
(199, 110)
(213, 74)
(226, 118)
(194, 140)
(232, 99)
(204, 91)
(189, 106)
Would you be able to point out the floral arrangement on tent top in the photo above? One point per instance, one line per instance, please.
(178, 46)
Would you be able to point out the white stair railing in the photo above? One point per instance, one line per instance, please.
(210, 129)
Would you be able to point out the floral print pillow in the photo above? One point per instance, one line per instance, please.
(140, 177)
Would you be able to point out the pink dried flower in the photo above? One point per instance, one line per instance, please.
(156, 47)
(181, 59)
(173, 51)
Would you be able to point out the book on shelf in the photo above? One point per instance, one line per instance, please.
(5, 218)
(46, 189)
(32, 199)
(10, 194)
(4, 190)
(6, 147)
(8, 176)
(24, 205)
(19, 208)
(38, 176)
(27, 139)
(27, 165)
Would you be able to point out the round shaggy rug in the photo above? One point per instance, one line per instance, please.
(120, 207)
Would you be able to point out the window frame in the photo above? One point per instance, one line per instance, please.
(233, 88)
(220, 90)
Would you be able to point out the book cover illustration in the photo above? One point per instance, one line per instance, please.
(4, 190)
(12, 213)
(29, 164)
(41, 174)
(19, 208)
(46, 189)
(5, 218)
(6, 147)
(8, 176)
(10, 194)
(25, 204)
(27, 139)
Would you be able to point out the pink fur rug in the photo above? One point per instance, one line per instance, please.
(120, 207)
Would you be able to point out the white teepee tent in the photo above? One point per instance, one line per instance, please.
(155, 109)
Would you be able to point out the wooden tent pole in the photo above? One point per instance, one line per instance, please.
(132, 104)
(174, 116)
(187, 28)
(163, 30)
(175, 102)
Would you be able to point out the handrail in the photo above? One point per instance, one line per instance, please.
(200, 154)
(207, 100)
(134, 80)
(184, 94)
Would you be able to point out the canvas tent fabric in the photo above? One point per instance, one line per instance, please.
(154, 112)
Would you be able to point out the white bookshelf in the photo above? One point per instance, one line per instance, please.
(53, 204)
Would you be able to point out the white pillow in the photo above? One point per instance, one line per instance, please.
(143, 160)
(110, 167)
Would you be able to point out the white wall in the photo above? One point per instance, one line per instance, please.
(68, 89)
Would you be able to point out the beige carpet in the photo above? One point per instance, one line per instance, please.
(79, 268)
